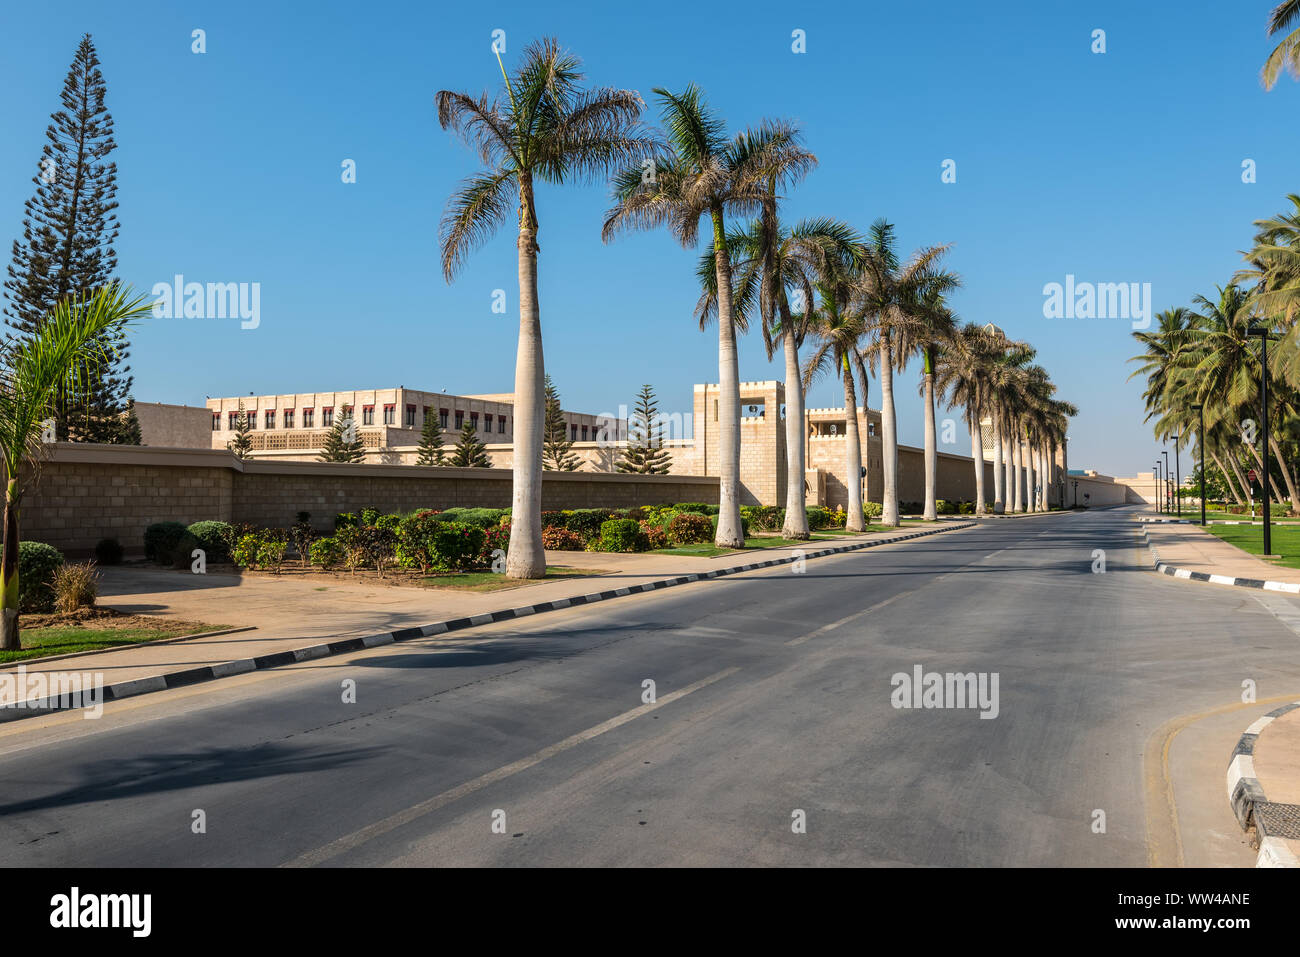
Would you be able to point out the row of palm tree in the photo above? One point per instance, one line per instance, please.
(1208, 361)
(854, 297)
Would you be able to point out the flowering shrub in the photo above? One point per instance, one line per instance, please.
(415, 546)
(560, 539)
(871, 510)
(456, 544)
(690, 528)
(764, 518)
(655, 535)
(326, 552)
(495, 538)
(622, 535)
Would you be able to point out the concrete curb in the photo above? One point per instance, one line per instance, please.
(1246, 795)
(179, 679)
(1176, 572)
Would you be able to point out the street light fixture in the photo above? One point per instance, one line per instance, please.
(1200, 440)
(1169, 499)
(1263, 333)
(1178, 478)
(1155, 471)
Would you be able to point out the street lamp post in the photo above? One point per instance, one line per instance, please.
(1178, 478)
(1200, 440)
(1155, 471)
(1262, 332)
(1076, 493)
(1169, 500)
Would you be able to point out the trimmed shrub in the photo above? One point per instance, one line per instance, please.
(553, 520)
(622, 535)
(698, 507)
(944, 507)
(345, 520)
(655, 535)
(820, 517)
(326, 552)
(415, 544)
(763, 518)
(160, 541)
(182, 552)
(691, 528)
(560, 539)
(38, 564)
(109, 551)
(369, 515)
(457, 544)
(910, 508)
(966, 508)
(495, 538)
(212, 538)
(75, 586)
(246, 550)
(872, 510)
(587, 522)
(482, 517)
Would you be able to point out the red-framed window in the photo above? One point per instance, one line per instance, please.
(442, 417)
(308, 418)
(327, 416)
(288, 418)
(410, 416)
(270, 418)
(390, 413)
(367, 415)
(501, 424)
(460, 420)
(216, 421)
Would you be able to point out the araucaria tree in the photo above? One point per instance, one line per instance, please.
(645, 452)
(431, 451)
(242, 443)
(543, 128)
(66, 249)
(343, 444)
(470, 452)
(58, 361)
(557, 451)
(704, 173)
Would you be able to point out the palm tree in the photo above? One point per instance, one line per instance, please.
(838, 326)
(56, 364)
(892, 297)
(544, 129)
(702, 173)
(933, 330)
(1286, 55)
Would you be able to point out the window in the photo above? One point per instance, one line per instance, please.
(501, 424)
(871, 428)
(234, 420)
(216, 421)
(410, 416)
(460, 420)
(270, 418)
(473, 421)
(390, 414)
(367, 415)
(308, 415)
(252, 418)
(487, 423)
(584, 433)
(424, 416)
(327, 416)
(442, 418)
(573, 433)
(288, 418)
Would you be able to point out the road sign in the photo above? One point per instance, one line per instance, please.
(1251, 476)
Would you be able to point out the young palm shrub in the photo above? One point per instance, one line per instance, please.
(702, 173)
(543, 128)
(76, 585)
(57, 363)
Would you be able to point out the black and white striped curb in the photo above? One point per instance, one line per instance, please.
(1274, 823)
(1186, 573)
(180, 679)
(1167, 521)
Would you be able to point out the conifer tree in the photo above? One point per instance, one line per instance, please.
(343, 444)
(557, 447)
(66, 249)
(645, 452)
(431, 451)
(242, 443)
(470, 452)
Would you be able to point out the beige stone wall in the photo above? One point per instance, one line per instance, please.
(89, 492)
(174, 426)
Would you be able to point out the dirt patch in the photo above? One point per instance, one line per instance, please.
(108, 619)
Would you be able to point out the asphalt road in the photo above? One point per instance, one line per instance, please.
(528, 742)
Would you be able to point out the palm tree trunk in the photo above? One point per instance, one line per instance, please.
(9, 640)
(1017, 478)
(930, 512)
(526, 558)
(1259, 460)
(1286, 474)
(977, 456)
(796, 513)
(730, 534)
(999, 468)
(888, 434)
(852, 454)
(1227, 477)
(1246, 494)
(1008, 465)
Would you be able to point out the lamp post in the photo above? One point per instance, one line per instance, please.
(1155, 472)
(1200, 440)
(1178, 478)
(1169, 502)
(1076, 493)
(1262, 332)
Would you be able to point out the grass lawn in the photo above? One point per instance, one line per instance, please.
(96, 635)
(775, 541)
(492, 581)
(1285, 540)
(1193, 514)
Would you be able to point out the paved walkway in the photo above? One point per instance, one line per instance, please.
(1277, 767)
(1188, 546)
(288, 614)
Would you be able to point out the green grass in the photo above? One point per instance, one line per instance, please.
(1193, 513)
(492, 581)
(1284, 540)
(67, 639)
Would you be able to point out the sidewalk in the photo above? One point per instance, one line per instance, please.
(1189, 549)
(293, 615)
(1264, 785)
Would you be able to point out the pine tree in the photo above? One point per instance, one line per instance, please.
(343, 444)
(130, 426)
(470, 452)
(557, 447)
(645, 452)
(242, 443)
(69, 227)
(431, 451)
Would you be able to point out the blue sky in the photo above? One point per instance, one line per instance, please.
(1115, 167)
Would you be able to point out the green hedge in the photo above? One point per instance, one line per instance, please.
(37, 563)
(160, 541)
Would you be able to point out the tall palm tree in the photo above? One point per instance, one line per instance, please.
(544, 129)
(1286, 55)
(931, 332)
(702, 173)
(961, 378)
(892, 295)
(837, 323)
(56, 364)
